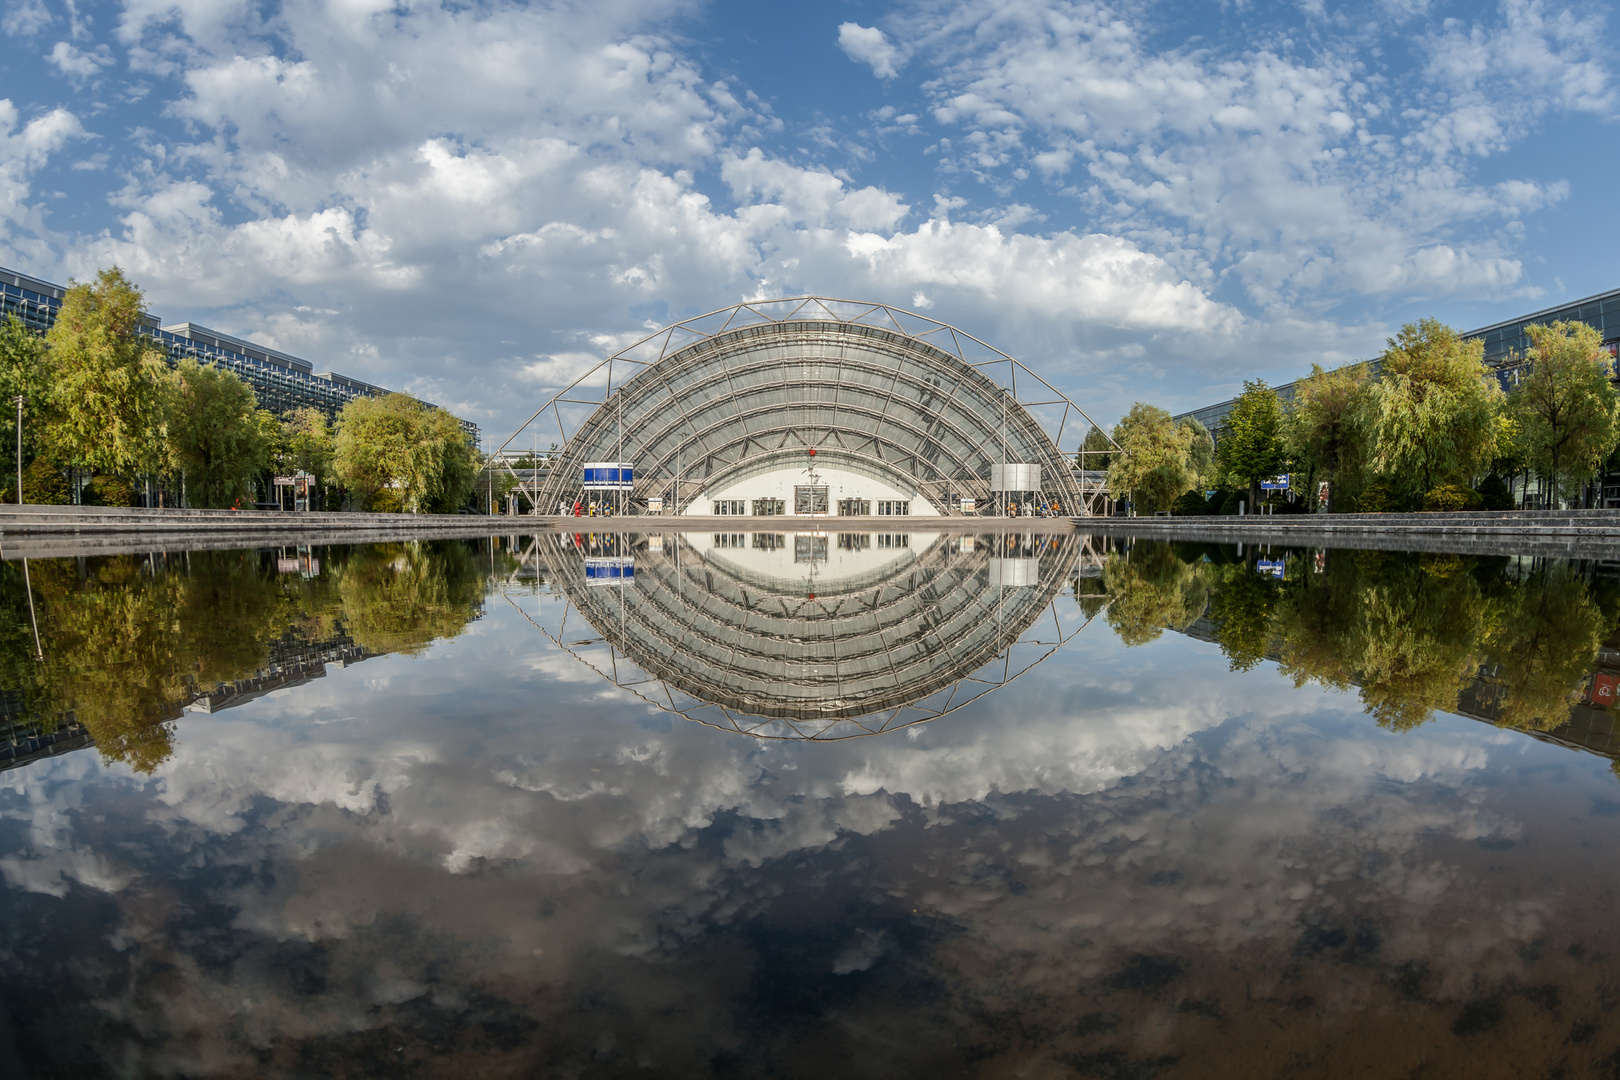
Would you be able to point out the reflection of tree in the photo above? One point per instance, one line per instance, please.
(1419, 647)
(1543, 643)
(112, 656)
(1318, 624)
(400, 597)
(1410, 631)
(1241, 608)
(130, 640)
(1152, 590)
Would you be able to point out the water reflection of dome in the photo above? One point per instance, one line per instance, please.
(811, 635)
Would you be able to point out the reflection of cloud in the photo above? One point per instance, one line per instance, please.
(488, 825)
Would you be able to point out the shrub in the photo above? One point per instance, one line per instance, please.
(44, 484)
(1279, 504)
(1229, 504)
(1453, 497)
(1495, 492)
(109, 491)
(1190, 504)
(1380, 497)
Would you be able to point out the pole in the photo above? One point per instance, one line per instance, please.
(19, 453)
(28, 582)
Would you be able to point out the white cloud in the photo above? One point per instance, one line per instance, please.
(77, 64)
(1303, 170)
(870, 46)
(25, 18)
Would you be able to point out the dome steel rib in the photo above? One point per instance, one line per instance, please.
(881, 391)
(918, 638)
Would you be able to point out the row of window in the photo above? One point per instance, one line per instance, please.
(805, 548)
(809, 499)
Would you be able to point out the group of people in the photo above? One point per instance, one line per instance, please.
(583, 509)
(1051, 509)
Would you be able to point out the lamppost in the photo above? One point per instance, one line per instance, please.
(19, 399)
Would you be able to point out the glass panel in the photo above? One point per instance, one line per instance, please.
(810, 499)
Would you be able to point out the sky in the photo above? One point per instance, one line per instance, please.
(473, 201)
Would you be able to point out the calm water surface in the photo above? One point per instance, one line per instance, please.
(777, 804)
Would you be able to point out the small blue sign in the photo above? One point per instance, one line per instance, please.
(1274, 567)
(1276, 483)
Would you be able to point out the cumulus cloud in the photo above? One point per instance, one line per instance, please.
(1304, 170)
(870, 46)
(445, 198)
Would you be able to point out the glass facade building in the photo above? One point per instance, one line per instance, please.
(280, 381)
(1506, 346)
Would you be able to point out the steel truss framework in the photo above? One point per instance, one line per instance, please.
(902, 396)
(695, 637)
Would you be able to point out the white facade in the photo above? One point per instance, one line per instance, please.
(780, 484)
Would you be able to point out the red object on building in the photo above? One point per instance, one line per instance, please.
(812, 451)
(1603, 687)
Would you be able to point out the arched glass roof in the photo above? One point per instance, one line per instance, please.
(890, 393)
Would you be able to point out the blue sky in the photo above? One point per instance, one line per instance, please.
(1146, 201)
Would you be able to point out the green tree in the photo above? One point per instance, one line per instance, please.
(22, 371)
(400, 454)
(105, 409)
(1564, 410)
(1326, 430)
(310, 448)
(1250, 448)
(1097, 450)
(1154, 464)
(1433, 407)
(216, 438)
(1200, 453)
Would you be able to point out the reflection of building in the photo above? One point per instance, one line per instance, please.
(292, 661)
(813, 635)
(812, 408)
(280, 381)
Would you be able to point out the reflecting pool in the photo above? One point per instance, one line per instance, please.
(808, 804)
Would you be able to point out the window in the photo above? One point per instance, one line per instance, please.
(810, 499)
(902, 540)
(810, 549)
(769, 541)
(769, 507)
(854, 541)
(896, 508)
(734, 507)
(854, 507)
(730, 540)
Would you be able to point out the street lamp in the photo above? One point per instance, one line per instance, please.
(19, 399)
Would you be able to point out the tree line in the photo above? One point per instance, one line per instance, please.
(126, 641)
(108, 419)
(1433, 431)
(1412, 634)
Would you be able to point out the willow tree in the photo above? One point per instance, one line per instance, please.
(401, 454)
(1564, 410)
(1200, 452)
(1326, 428)
(1154, 462)
(105, 408)
(1433, 407)
(216, 438)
